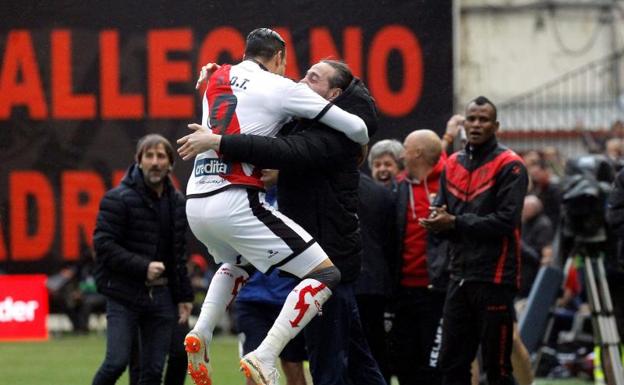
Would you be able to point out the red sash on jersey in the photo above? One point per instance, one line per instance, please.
(223, 121)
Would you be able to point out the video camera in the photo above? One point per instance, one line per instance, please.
(586, 186)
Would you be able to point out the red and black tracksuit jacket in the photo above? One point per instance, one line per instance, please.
(484, 188)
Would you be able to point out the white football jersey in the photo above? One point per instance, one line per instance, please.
(246, 99)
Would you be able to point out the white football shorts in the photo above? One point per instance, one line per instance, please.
(239, 227)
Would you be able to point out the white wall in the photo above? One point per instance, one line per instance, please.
(506, 53)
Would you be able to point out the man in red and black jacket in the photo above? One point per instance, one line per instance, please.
(478, 209)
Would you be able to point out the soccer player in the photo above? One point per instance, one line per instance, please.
(226, 208)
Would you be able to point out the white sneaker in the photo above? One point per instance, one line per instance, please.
(197, 352)
(260, 372)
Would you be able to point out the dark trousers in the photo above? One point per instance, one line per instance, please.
(477, 313)
(177, 361)
(153, 318)
(616, 287)
(371, 308)
(417, 314)
(337, 349)
(255, 319)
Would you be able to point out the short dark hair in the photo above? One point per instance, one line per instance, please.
(343, 76)
(481, 101)
(263, 43)
(153, 140)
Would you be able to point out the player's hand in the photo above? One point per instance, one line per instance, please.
(184, 311)
(205, 73)
(154, 270)
(201, 140)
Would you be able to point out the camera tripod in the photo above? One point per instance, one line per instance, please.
(603, 321)
(605, 333)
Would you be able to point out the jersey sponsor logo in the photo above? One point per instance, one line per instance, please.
(207, 167)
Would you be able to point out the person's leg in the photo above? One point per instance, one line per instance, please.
(302, 304)
(403, 338)
(496, 324)
(417, 320)
(177, 361)
(363, 369)
(253, 321)
(293, 371)
(156, 328)
(520, 359)
(371, 309)
(134, 366)
(268, 240)
(428, 359)
(475, 374)
(460, 336)
(292, 358)
(211, 223)
(327, 341)
(121, 328)
(224, 287)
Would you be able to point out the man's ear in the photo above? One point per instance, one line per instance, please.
(334, 93)
(279, 58)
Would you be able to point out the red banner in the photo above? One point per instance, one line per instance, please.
(80, 82)
(23, 307)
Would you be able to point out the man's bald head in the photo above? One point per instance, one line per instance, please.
(532, 207)
(422, 144)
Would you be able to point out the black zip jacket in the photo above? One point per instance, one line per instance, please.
(376, 210)
(318, 180)
(615, 219)
(126, 238)
(484, 188)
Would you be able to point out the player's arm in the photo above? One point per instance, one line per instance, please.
(299, 100)
(310, 149)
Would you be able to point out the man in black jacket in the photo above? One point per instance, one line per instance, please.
(317, 188)
(140, 250)
(615, 266)
(372, 288)
(478, 208)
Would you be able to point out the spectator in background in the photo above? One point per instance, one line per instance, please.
(615, 266)
(454, 129)
(376, 213)
(531, 158)
(200, 277)
(140, 250)
(478, 210)
(417, 299)
(613, 151)
(546, 190)
(596, 141)
(259, 303)
(384, 161)
(537, 234)
(554, 163)
(88, 299)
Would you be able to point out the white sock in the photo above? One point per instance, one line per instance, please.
(302, 304)
(225, 285)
